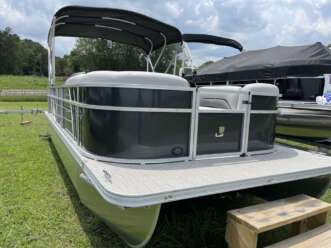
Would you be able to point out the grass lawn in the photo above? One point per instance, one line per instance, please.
(10, 82)
(39, 206)
(25, 105)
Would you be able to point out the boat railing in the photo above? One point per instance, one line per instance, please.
(68, 107)
(245, 129)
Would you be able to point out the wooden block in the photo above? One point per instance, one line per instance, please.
(270, 215)
(26, 123)
(319, 237)
(240, 236)
(310, 223)
(317, 220)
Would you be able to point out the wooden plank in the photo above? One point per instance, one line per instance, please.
(23, 123)
(310, 223)
(240, 236)
(270, 215)
(319, 237)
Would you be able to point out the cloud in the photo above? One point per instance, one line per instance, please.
(173, 8)
(256, 24)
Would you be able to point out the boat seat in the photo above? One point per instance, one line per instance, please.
(260, 89)
(224, 97)
(214, 103)
(234, 97)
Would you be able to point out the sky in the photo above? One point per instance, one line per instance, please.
(256, 24)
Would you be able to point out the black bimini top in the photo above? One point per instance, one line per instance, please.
(211, 39)
(271, 63)
(117, 25)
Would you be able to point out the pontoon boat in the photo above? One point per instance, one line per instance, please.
(132, 141)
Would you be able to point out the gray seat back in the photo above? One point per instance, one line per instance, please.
(225, 97)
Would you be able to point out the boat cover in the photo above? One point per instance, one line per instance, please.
(118, 25)
(271, 63)
(211, 39)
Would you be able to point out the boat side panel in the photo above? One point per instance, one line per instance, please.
(261, 132)
(219, 133)
(264, 102)
(134, 225)
(135, 135)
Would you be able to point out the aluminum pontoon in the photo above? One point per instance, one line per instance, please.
(132, 141)
(301, 114)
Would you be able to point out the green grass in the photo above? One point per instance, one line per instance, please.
(10, 82)
(23, 98)
(24, 105)
(39, 206)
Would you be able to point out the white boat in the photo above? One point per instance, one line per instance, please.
(132, 141)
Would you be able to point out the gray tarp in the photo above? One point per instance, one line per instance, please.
(270, 63)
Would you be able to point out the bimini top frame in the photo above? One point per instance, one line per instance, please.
(117, 25)
(206, 39)
(211, 39)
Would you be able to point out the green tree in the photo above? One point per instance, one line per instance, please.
(95, 54)
(30, 58)
(10, 61)
(21, 56)
(34, 58)
(62, 66)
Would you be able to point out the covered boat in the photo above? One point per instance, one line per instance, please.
(298, 71)
(132, 141)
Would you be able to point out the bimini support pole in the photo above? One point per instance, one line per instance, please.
(51, 55)
(187, 56)
(187, 52)
(175, 64)
(162, 51)
(148, 56)
(147, 65)
(51, 48)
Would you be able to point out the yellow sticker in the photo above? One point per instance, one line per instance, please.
(220, 133)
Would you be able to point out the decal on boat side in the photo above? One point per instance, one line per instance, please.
(220, 132)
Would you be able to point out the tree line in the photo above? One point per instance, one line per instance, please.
(26, 57)
(21, 57)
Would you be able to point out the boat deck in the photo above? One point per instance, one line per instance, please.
(142, 185)
(157, 183)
